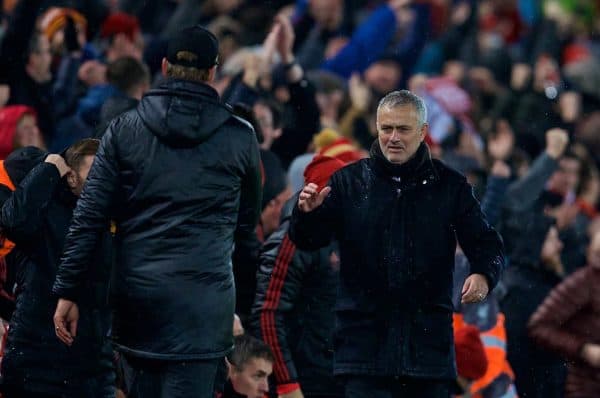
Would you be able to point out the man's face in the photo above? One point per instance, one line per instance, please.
(123, 46)
(28, 133)
(566, 178)
(264, 116)
(552, 247)
(41, 60)
(383, 77)
(251, 380)
(271, 215)
(399, 133)
(76, 178)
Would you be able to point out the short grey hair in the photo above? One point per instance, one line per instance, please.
(402, 98)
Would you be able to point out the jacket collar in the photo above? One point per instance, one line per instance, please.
(418, 168)
(186, 88)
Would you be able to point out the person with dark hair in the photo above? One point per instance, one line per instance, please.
(12, 171)
(398, 216)
(180, 175)
(248, 367)
(131, 78)
(268, 114)
(26, 63)
(293, 307)
(36, 218)
(534, 250)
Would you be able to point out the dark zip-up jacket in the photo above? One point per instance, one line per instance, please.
(180, 175)
(397, 227)
(37, 217)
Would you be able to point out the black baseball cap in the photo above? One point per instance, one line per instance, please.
(193, 47)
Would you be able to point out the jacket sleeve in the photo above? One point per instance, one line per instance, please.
(414, 40)
(90, 218)
(366, 45)
(65, 86)
(250, 201)
(243, 93)
(523, 192)
(297, 134)
(546, 325)
(24, 211)
(314, 230)
(480, 242)
(279, 281)
(492, 200)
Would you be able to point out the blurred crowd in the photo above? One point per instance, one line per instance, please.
(512, 89)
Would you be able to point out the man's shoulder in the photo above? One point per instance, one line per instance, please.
(242, 124)
(124, 120)
(446, 172)
(353, 170)
(355, 167)
(233, 122)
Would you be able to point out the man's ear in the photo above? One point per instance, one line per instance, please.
(229, 368)
(71, 179)
(212, 74)
(424, 131)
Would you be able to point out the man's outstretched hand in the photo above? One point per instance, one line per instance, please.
(310, 198)
(475, 289)
(65, 321)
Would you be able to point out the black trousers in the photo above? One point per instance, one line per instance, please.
(391, 387)
(150, 378)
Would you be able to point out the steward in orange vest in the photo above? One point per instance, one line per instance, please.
(12, 170)
(498, 380)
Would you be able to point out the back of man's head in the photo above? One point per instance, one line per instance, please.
(191, 54)
(128, 74)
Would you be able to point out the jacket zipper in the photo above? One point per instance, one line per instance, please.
(397, 199)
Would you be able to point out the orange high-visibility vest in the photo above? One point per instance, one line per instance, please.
(494, 343)
(5, 245)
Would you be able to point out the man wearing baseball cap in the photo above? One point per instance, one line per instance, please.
(180, 175)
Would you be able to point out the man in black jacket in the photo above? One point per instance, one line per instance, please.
(180, 174)
(293, 308)
(36, 218)
(397, 217)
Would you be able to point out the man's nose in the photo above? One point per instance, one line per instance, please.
(264, 386)
(395, 135)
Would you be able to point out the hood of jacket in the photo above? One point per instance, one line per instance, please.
(10, 116)
(183, 113)
(21, 161)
